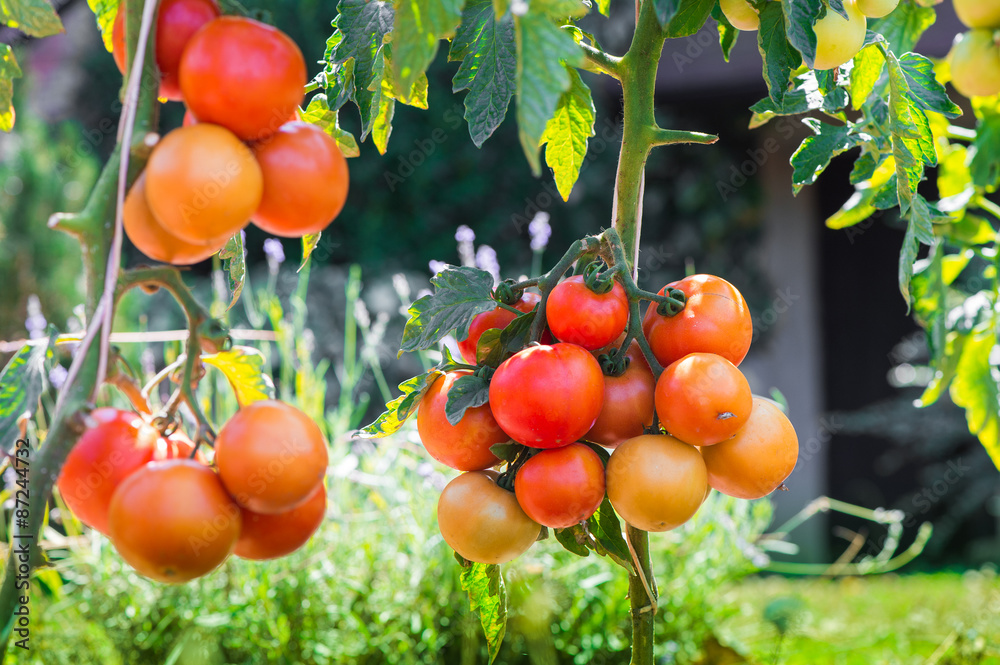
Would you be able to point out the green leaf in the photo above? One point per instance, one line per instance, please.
(780, 57)
(929, 293)
(945, 368)
(975, 388)
(543, 52)
(363, 26)
(919, 229)
(904, 26)
(419, 27)
(105, 12)
(927, 93)
(573, 539)
(486, 47)
(460, 294)
(727, 33)
(867, 69)
(815, 153)
(912, 139)
(412, 94)
(234, 262)
(244, 366)
(488, 599)
(495, 346)
(466, 392)
(21, 384)
(401, 408)
(985, 163)
(382, 127)
(9, 70)
(309, 244)
(604, 7)
(800, 17)
(35, 18)
(507, 452)
(689, 17)
(565, 137)
(319, 113)
(606, 528)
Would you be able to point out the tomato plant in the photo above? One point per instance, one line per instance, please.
(495, 319)
(561, 487)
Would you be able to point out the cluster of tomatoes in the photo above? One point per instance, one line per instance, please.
(838, 39)
(556, 401)
(172, 515)
(975, 56)
(242, 153)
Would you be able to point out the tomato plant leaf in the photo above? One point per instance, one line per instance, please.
(21, 384)
(604, 7)
(243, 366)
(398, 410)
(903, 27)
(727, 33)
(234, 262)
(929, 292)
(319, 113)
(485, 45)
(566, 135)
(382, 126)
(105, 12)
(467, 392)
(985, 164)
(689, 18)
(606, 528)
(975, 388)
(865, 73)
(814, 155)
(495, 346)
(488, 599)
(460, 293)
(543, 52)
(945, 368)
(800, 17)
(35, 18)
(507, 452)
(927, 93)
(573, 539)
(919, 229)
(419, 27)
(9, 70)
(780, 57)
(309, 243)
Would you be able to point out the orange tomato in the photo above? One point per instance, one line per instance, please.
(465, 446)
(703, 399)
(628, 402)
(202, 183)
(272, 536)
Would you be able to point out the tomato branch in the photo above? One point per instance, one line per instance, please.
(603, 63)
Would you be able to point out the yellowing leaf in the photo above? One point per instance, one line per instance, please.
(244, 368)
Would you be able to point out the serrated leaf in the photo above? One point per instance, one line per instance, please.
(865, 73)
(945, 368)
(495, 346)
(466, 392)
(412, 94)
(573, 539)
(928, 291)
(919, 229)
(21, 384)
(814, 155)
(689, 18)
(244, 366)
(486, 47)
(975, 388)
(382, 127)
(800, 17)
(420, 25)
(363, 26)
(234, 263)
(727, 33)
(105, 12)
(985, 163)
(398, 410)
(319, 113)
(487, 599)
(927, 93)
(507, 452)
(780, 57)
(460, 294)
(606, 528)
(35, 18)
(543, 52)
(565, 137)
(904, 26)
(9, 70)
(912, 139)
(309, 244)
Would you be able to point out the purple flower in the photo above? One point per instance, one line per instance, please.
(486, 259)
(437, 266)
(540, 231)
(35, 323)
(275, 253)
(464, 234)
(57, 376)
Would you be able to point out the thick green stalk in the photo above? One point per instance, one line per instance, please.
(93, 226)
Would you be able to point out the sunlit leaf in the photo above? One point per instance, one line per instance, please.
(244, 366)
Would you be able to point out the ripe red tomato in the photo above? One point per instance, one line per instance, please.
(150, 238)
(202, 183)
(656, 482)
(173, 521)
(176, 23)
(243, 75)
(271, 457)
(496, 318)
(628, 403)
(465, 446)
(482, 521)
(577, 315)
(305, 180)
(118, 445)
(714, 320)
(703, 399)
(272, 536)
(547, 396)
(757, 460)
(561, 487)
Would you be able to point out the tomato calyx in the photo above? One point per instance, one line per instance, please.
(507, 294)
(599, 279)
(616, 361)
(671, 303)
